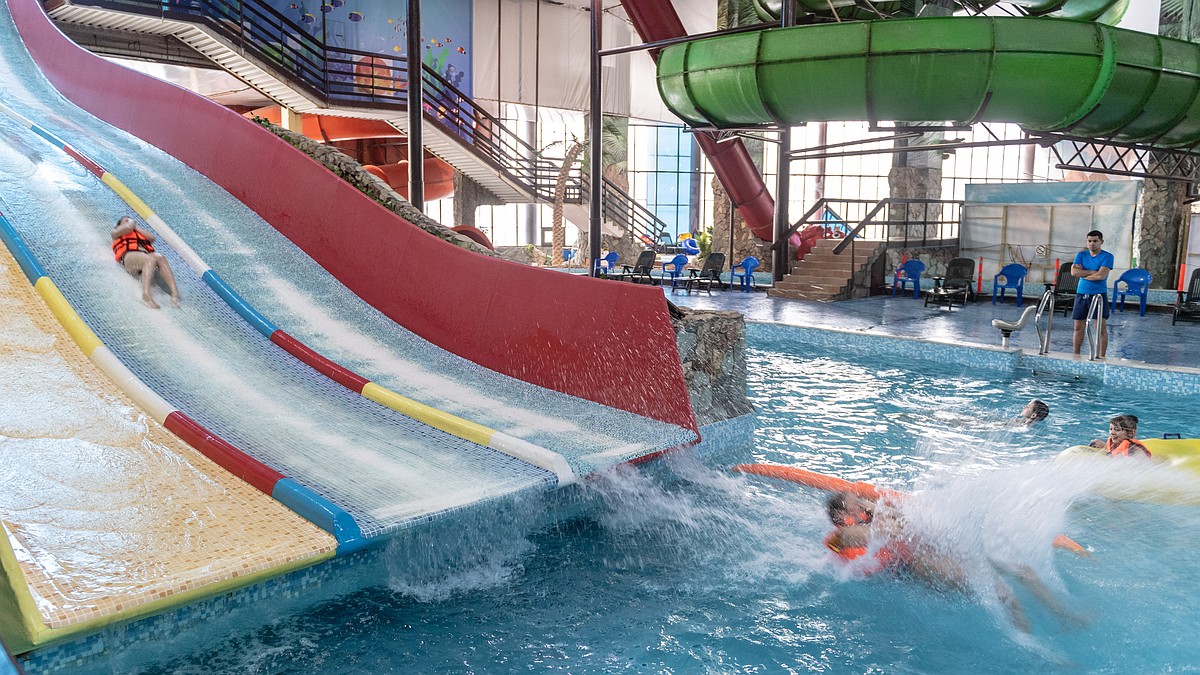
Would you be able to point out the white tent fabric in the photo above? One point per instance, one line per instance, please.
(536, 54)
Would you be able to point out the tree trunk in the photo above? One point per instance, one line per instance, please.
(559, 233)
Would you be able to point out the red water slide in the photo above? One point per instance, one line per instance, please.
(657, 20)
(604, 341)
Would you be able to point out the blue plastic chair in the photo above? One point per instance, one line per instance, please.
(1014, 278)
(673, 268)
(911, 269)
(568, 256)
(746, 275)
(690, 246)
(1137, 283)
(607, 263)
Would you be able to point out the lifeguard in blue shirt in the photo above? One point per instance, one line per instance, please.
(1092, 266)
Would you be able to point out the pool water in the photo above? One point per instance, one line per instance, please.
(682, 567)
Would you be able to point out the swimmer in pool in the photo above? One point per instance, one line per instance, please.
(1035, 411)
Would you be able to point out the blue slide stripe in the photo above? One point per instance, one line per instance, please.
(321, 512)
(230, 296)
(29, 265)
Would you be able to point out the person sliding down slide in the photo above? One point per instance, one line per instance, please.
(133, 249)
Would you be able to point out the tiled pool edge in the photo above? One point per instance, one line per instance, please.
(300, 588)
(1174, 380)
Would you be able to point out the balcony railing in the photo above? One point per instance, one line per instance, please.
(356, 78)
(364, 79)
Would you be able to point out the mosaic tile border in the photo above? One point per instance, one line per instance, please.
(1172, 380)
(299, 588)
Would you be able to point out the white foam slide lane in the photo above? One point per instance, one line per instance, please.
(204, 359)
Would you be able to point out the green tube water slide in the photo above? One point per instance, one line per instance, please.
(1103, 11)
(1048, 75)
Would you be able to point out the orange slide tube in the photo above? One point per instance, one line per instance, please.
(329, 129)
(439, 177)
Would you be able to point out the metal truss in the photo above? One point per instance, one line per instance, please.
(1073, 153)
(1120, 159)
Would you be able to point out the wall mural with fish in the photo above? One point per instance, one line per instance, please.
(381, 27)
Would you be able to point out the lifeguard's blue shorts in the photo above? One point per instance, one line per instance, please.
(1084, 301)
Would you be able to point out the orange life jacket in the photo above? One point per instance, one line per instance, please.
(130, 241)
(891, 555)
(1123, 448)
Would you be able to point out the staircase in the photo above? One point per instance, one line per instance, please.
(252, 41)
(826, 277)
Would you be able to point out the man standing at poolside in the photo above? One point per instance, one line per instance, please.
(1092, 266)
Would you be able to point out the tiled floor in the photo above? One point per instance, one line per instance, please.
(1150, 339)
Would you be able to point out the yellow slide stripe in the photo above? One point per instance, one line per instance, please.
(76, 328)
(124, 193)
(438, 419)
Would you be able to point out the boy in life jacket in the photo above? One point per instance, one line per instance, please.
(857, 520)
(854, 521)
(133, 249)
(1121, 442)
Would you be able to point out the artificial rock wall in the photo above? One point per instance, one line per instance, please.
(712, 348)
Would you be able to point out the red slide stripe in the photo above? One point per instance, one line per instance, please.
(84, 160)
(222, 452)
(347, 378)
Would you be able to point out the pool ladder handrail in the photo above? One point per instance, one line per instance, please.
(1046, 305)
(1092, 326)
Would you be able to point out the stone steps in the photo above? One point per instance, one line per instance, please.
(823, 276)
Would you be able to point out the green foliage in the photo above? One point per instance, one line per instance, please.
(704, 240)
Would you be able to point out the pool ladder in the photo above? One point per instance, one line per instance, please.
(1046, 307)
(1092, 327)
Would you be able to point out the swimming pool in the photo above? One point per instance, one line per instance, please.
(682, 567)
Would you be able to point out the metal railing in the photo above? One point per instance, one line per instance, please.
(1046, 306)
(623, 210)
(899, 226)
(356, 78)
(1093, 326)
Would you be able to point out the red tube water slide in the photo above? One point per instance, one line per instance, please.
(657, 20)
(607, 342)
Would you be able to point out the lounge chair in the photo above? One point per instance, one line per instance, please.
(956, 285)
(747, 267)
(908, 273)
(665, 244)
(709, 274)
(1187, 303)
(641, 269)
(1064, 289)
(1137, 283)
(1014, 278)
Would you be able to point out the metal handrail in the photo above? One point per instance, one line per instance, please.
(869, 219)
(619, 207)
(1045, 305)
(1092, 326)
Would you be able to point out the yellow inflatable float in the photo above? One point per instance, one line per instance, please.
(1179, 486)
